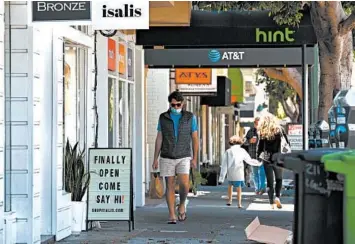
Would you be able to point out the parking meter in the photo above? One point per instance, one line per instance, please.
(344, 108)
(312, 136)
(332, 126)
(322, 134)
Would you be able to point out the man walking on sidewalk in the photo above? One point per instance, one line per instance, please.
(176, 140)
(251, 141)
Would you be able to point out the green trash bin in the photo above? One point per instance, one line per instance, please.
(344, 163)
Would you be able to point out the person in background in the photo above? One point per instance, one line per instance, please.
(177, 145)
(233, 166)
(251, 143)
(269, 144)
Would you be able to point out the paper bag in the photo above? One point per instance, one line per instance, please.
(156, 188)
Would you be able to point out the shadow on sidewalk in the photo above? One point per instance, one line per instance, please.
(209, 221)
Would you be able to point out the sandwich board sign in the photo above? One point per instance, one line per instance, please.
(110, 192)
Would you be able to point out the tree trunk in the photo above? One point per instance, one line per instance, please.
(291, 110)
(335, 52)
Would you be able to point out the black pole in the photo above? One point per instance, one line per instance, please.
(305, 107)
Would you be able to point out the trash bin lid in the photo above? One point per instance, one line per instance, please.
(308, 155)
(347, 156)
(315, 155)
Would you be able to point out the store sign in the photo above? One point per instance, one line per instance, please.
(200, 88)
(130, 63)
(295, 136)
(215, 56)
(229, 110)
(61, 11)
(110, 191)
(226, 57)
(123, 15)
(193, 76)
(122, 59)
(111, 59)
(273, 36)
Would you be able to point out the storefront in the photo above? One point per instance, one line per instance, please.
(117, 107)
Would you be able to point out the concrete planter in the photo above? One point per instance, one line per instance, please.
(78, 209)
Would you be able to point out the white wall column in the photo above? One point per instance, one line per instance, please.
(2, 119)
(157, 98)
(102, 89)
(139, 146)
(26, 84)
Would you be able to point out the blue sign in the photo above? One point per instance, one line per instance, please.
(214, 55)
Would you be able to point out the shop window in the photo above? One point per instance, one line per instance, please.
(130, 114)
(121, 113)
(82, 28)
(74, 89)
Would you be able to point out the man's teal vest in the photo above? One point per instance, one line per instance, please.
(176, 148)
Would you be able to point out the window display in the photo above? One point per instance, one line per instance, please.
(75, 79)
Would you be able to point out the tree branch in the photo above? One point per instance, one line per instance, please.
(347, 25)
(288, 75)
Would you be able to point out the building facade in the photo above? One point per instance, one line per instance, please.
(50, 80)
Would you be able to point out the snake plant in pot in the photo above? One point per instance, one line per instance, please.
(77, 181)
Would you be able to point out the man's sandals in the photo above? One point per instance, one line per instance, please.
(181, 216)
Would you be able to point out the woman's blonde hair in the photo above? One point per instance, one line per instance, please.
(268, 127)
(235, 140)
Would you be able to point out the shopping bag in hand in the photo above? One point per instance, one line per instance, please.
(156, 189)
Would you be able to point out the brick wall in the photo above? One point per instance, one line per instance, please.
(157, 102)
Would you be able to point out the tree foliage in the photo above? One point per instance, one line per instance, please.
(282, 12)
(333, 23)
(282, 92)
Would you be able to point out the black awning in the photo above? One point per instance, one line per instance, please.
(232, 29)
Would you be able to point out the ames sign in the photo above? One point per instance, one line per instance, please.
(193, 76)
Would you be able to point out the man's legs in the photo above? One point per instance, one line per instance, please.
(183, 172)
(167, 170)
(170, 196)
(184, 185)
(256, 178)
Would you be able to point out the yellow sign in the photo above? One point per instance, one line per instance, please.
(193, 76)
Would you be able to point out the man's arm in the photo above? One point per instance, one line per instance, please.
(158, 143)
(195, 139)
(195, 144)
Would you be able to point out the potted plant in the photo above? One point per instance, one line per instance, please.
(76, 182)
(195, 180)
(210, 173)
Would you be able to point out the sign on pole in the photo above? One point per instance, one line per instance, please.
(110, 193)
(295, 135)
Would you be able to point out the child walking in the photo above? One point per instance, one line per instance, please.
(233, 167)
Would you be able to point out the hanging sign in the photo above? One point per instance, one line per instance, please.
(193, 76)
(111, 55)
(110, 193)
(122, 59)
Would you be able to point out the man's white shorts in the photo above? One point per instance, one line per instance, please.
(171, 167)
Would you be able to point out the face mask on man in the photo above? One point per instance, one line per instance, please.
(176, 111)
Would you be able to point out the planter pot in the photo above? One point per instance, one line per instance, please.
(211, 177)
(77, 209)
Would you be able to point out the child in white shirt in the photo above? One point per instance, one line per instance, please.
(233, 167)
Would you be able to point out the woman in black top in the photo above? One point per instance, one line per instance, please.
(269, 144)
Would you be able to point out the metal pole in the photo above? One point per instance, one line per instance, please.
(305, 107)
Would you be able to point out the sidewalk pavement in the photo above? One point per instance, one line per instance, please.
(209, 220)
